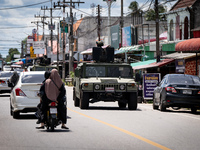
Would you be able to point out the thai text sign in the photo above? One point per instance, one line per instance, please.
(180, 65)
(150, 81)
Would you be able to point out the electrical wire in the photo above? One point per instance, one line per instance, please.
(3, 28)
(25, 5)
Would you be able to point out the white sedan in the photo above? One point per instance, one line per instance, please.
(23, 97)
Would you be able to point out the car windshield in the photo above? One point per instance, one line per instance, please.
(5, 74)
(95, 71)
(184, 79)
(112, 71)
(116, 71)
(32, 78)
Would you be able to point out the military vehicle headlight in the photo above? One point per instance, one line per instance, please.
(97, 87)
(122, 87)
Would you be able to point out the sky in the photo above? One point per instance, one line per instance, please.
(16, 21)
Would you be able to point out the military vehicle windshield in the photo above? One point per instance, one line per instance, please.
(108, 71)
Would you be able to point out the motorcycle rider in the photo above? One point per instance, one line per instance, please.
(53, 89)
(39, 106)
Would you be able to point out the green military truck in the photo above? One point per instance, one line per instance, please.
(104, 81)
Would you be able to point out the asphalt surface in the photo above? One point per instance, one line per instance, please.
(102, 127)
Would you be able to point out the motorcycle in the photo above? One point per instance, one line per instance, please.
(52, 116)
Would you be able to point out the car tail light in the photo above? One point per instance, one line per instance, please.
(198, 92)
(171, 89)
(19, 92)
(1, 81)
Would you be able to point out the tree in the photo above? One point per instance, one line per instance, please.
(151, 15)
(133, 6)
(11, 53)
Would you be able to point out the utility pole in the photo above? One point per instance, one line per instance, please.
(122, 20)
(58, 45)
(99, 23)
(42, 21)
(157, 32)
(64, 45)
(109, 2)
(71, 38)
(51, 26)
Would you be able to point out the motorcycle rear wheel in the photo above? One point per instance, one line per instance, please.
(53, 122)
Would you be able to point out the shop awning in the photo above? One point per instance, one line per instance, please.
(189, 45)
(129, 49)
(151, 64)
(178, 55)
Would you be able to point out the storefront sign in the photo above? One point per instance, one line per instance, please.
(150, 81)
(126, 35)
(180, 65)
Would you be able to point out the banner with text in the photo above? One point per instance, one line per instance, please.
(150, 81)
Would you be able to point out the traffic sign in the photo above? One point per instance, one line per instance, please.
(62, 23)
(32, 55)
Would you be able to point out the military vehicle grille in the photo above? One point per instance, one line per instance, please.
(116, 87)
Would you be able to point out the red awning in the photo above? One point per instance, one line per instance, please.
(189, 45)
(19, 63)
(155, 64)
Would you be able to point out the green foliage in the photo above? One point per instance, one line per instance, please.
(133, 6)
(71, 74)
(151, 15)
(11, 53)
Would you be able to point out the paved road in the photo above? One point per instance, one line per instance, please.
(103, 127)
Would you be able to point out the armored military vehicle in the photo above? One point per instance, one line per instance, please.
(104, 80)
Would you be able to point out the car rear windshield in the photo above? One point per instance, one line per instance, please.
(6, 74)
(184, 79)
(32, 78)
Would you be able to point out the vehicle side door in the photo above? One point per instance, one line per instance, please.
(158, 90)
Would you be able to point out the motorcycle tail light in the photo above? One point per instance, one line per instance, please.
(53, 103)
(19, 92)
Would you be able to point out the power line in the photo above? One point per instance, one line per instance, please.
(24, 6)
(3, 28)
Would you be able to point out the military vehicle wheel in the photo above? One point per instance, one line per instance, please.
(122, 104)
(84, 101)
(76, 100)
(132, 101)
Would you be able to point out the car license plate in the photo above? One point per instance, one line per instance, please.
(109, 89)
(53, 110)
(187, 91)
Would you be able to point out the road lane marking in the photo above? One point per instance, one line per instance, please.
(123, 130)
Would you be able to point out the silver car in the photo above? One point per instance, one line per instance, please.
(4, 77)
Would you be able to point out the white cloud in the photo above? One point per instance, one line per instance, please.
(14, 2)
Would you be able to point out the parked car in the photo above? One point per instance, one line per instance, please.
(4, 77)
(177, 90)
(23, 97)
(7, 68)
